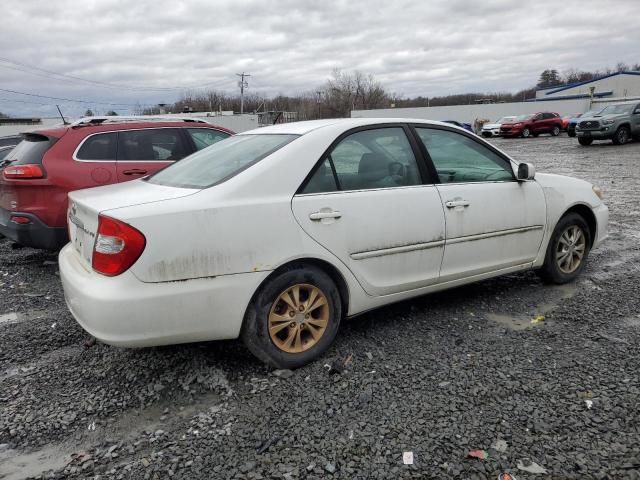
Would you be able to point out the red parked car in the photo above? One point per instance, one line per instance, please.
(47, 164)
(533, 125)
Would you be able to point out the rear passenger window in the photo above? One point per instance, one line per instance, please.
(101, 146)
(378, 158)
(322, 180)
(152, 144)
(203, 137)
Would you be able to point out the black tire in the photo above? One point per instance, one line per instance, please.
(555, 131)
(255, 330)
(571, 133)
(551, 271)
(622, 135)
(526, 132)
(585, 141)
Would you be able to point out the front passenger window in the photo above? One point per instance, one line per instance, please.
(460, 159)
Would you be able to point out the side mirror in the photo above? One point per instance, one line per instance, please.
(526, 171)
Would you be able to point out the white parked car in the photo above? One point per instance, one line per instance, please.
(277, 234)
(493, 129)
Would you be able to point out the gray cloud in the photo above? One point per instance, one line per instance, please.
(414, 48)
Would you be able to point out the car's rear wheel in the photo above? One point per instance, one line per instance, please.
(567, 250)
(294, 317)
(555, 131)
(622, 135)
(526, 132)
(585, 141)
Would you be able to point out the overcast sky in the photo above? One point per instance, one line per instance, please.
(289, 46)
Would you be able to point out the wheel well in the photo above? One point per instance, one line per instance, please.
(586, 213)
(326, 267)
(625, 125)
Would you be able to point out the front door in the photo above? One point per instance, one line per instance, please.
(493, 221)
(367, 204)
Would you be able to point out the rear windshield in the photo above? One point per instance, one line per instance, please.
(30, 150)
(220, 161)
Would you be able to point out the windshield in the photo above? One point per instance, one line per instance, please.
(522, 118)
(506, 120)
(612, 109)
(220, 161)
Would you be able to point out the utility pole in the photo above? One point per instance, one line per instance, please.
(319, 102)
(242, 84)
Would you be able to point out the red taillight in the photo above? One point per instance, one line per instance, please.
(20, 220)
(23, 171)
(118, 246)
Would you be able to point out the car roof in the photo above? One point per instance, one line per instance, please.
(301, 128)
(59, 130)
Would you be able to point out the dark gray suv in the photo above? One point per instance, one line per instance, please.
(618, 122)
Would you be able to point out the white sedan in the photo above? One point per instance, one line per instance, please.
(493, 129)
(277, 234)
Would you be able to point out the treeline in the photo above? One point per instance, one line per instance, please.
(346, 91)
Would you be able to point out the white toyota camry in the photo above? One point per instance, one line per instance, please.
(277, 234)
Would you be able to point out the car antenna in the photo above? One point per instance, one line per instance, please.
(64, 121)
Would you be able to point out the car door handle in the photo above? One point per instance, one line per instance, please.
(457, 203)
(134, 171)
(322, 214)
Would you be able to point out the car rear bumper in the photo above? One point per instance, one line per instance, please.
(127, 312)
(34, 234)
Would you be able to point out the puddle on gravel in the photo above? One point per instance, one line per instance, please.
(16, 466)
(14, 317)
(9, 317)
(522, 322)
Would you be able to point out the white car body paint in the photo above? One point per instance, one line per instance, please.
(208, 250)
(494, 128)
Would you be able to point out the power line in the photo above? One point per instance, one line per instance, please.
(76, 101)
(19, 66)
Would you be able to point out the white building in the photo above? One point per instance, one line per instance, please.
(614, 87)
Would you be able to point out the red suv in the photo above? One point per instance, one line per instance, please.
(93, 151)
(533, 125)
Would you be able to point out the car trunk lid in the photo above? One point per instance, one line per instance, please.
(86, 205)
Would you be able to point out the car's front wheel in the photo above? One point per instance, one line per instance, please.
(567, 250)
(526, 132)
(555, 131)
(293, 318)
(621, 136)
(585, 141)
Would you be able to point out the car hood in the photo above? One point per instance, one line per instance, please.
(611, 116)
(490, 126)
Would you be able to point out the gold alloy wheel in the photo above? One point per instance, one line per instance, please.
(571, 249)
(298, 318)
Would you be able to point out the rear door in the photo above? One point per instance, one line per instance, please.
(145, 151)
(492, 221)
(95, 160)
(367, 203)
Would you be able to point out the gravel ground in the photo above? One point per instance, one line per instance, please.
(438, 376)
